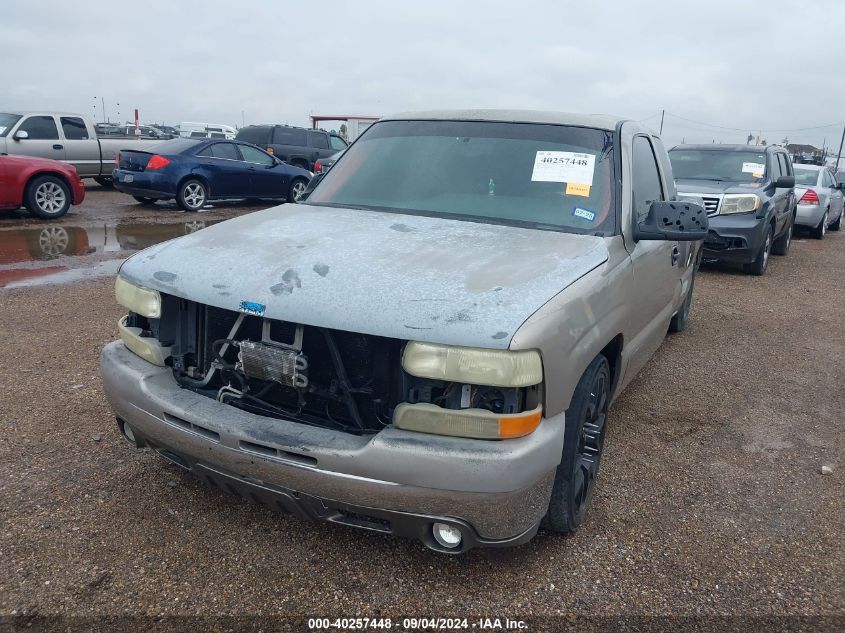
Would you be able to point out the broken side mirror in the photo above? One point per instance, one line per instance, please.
(673, 220)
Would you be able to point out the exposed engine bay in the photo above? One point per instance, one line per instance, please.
(329, 378)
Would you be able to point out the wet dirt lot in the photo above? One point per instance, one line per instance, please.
(711, 499)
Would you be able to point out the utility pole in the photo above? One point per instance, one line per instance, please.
(104, 109)
(662, 114)
(840, 149)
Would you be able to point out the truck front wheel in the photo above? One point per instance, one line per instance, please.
(583, 441)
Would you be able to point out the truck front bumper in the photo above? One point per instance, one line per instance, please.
(734, 238)
(398, 482)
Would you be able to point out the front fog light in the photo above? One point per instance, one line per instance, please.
(446, 535)
(143, 301)
(475, 366)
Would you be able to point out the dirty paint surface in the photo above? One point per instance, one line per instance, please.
(400, 276)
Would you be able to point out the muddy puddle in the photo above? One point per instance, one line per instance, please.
(64, 254)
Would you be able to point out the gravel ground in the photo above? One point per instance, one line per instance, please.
(711, 499)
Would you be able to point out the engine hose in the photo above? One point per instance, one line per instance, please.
(215, 347)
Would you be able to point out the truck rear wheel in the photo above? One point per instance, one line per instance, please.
(48, 197)
(583, 441)
(104, 181)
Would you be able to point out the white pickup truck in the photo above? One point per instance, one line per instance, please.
(70, 138)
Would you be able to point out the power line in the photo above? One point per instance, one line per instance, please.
(648, 117)
(745, 129)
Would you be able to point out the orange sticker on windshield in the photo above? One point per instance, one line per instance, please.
(577, 189)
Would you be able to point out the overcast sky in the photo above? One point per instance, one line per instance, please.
(770, 65)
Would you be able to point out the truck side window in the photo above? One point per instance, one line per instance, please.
(777, 170)
(645, 178)
(289, 136)
(256, 135)
(785, 168)
(319, 140)
(40, 128)
(337, 142)
(74, 128)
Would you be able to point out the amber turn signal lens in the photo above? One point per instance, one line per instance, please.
(475, 423)
(519, 425)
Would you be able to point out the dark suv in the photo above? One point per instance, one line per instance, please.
(749, 194)
(294, 145)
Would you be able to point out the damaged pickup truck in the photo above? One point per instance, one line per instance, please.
(428, 344)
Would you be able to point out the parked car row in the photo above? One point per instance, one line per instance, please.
(755, 197)
(65, 137)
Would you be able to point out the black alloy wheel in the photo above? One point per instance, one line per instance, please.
(583, 443)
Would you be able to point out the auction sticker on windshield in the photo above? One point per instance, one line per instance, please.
(577, 189)
(569, 167)
(755, 169)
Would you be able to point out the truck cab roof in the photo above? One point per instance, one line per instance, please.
(597, 121)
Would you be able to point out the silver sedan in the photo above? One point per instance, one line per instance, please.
(820, 199)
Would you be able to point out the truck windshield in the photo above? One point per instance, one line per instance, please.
(719, 165)
(552, 177)
(6, 122)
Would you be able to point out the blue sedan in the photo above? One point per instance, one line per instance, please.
(195, 171)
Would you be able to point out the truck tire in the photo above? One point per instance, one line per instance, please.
(193, 194)
(761, 262)
(104, 181)
(781, 244)
(680, 321)
(583, 441)
(48, 197)
(838, 224)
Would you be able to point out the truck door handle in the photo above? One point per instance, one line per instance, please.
(676, 255)
(57, 146)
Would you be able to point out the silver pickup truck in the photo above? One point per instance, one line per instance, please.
(70, 138)
(428, 344)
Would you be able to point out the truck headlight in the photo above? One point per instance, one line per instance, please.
(143, 301)
(739, 203)
(493, 367)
